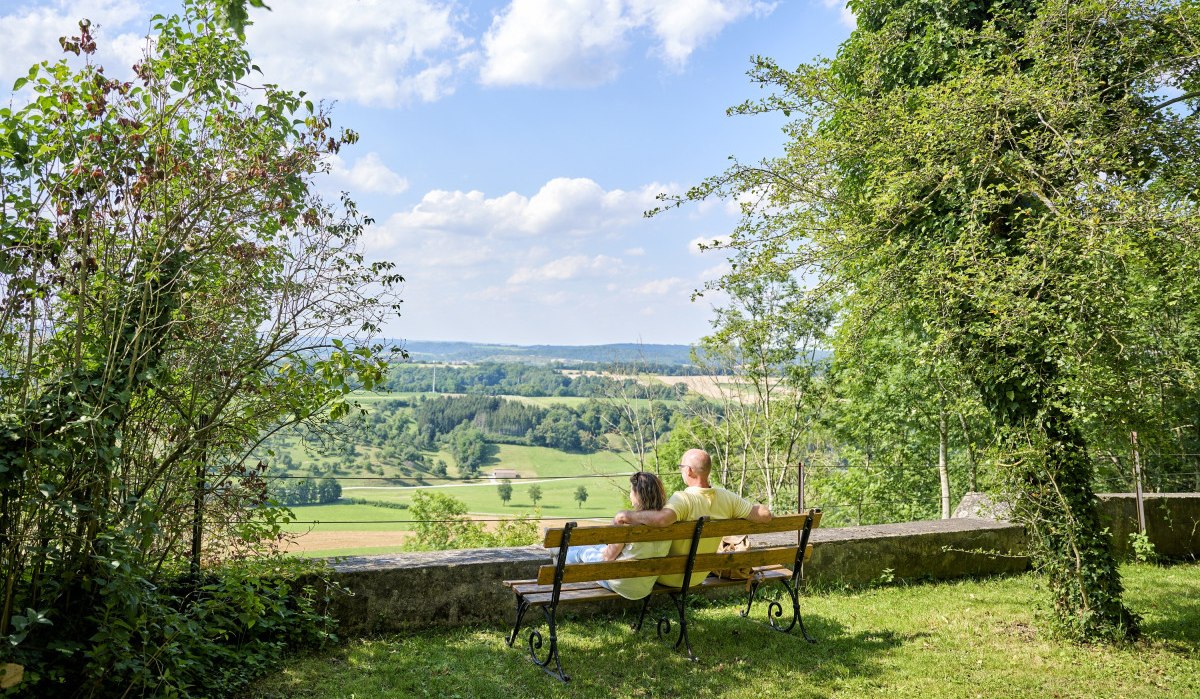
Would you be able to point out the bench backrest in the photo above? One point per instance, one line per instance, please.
(626, 533)
(674, 565)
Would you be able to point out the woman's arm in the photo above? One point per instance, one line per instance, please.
(612, 551)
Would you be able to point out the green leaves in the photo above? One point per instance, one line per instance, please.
(23, 624)
(995, 175)
(170, 278)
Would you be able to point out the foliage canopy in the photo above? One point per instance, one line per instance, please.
(172, 284)
(1007, 181)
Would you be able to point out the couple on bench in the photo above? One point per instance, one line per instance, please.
(647, 495)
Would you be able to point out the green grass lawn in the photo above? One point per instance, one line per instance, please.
(952, 640)
(543, 461)
(365, 518)
(605, 496)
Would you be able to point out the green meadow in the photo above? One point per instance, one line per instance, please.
(343, 518)
(963, 639)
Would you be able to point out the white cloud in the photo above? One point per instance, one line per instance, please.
(374, 52)
(710, 241)
(635, 252)
(428, 250)
(566, 268)
(578, 43)
(683, 25)
(845, 14)
(571, 206)
(659, 287)
(369, 174)
(554, 43)
(30, 34)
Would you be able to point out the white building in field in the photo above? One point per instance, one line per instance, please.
(500, 474)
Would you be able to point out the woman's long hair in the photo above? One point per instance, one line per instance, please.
(649, 489)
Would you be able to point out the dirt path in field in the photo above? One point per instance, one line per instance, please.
(331, 541)
(328, 541)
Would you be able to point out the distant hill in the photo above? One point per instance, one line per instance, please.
(422, 351)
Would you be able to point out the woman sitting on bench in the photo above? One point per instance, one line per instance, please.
(646, 492)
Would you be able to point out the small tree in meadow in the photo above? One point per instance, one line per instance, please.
(581, 495)
(535, 494)
(505, 491)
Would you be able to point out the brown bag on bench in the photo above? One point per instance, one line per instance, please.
(730, 544)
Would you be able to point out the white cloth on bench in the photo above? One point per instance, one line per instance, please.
(629, 588)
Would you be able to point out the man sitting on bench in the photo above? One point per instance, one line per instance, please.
(699, 499)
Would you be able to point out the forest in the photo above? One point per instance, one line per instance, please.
(881, 440)
(533, 380)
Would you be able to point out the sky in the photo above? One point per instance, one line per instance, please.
(508, 149)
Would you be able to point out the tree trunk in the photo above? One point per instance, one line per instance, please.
(943, 471)
(974, 472)
(1052, 477)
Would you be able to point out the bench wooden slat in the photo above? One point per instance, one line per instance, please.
(540, 595)
(625, 533)
(669, 565)
(522, 587)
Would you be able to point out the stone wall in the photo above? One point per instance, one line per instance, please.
(448, 588)
(1172, 522)
(1172, 519)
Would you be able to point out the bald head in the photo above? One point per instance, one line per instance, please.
(698, 464)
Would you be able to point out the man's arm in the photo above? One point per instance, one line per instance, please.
(760, 514)
(652, 518)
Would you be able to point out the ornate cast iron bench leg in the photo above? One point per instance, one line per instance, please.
(680, 599)
(637, 626)
(535, 644)
(753, 584)
(550, 613)
(522, 607)
(792, 586)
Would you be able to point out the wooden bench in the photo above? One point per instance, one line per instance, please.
(564, 583)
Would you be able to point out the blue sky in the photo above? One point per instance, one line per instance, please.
(509, 148)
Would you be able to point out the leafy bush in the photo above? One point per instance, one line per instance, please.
(1141, 549)
(443, 525)
(186, 638)
(141, 354)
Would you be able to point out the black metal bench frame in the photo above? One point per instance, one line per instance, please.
(530, 594)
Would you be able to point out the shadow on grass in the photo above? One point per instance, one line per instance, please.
(1171, 612)
(735, 655)
(605, 658)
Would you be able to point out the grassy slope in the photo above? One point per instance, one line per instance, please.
(968, 639)
(543, 461)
